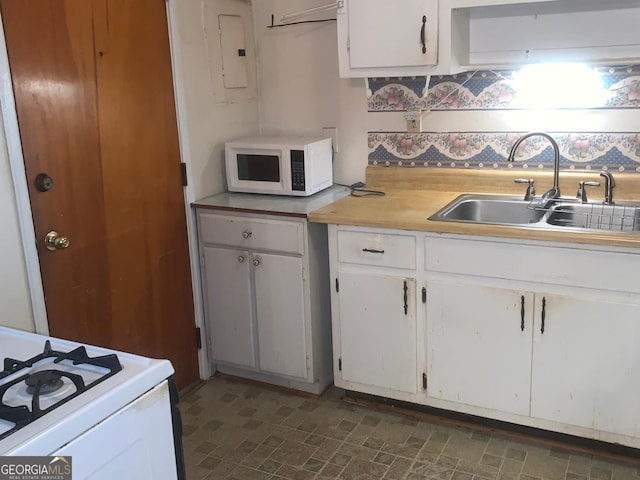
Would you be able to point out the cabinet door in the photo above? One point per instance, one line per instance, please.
(586, 364)
(388, 34)
(378, 330)
(479, 345)
(280, 312)
(228, 306)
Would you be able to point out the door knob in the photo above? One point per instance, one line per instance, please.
(43, 182)
(53, 241)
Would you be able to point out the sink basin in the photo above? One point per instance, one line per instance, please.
(565, 213)
(493, 209)
(622, 217)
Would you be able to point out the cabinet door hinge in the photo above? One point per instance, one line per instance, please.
(340, 364)
(424, 381)
(337, 285)
(424, 294)
(198, 338)
(183, 173)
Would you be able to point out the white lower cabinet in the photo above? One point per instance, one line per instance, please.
(479, 345)
(279, 311)
(503, 341)
(378, 330)
(266, 298)
(539, 334)
(374, 311)
(586, 364)
(229, 294)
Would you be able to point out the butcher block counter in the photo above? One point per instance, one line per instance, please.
(414, 194)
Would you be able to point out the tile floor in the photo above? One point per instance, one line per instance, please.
(237, 431)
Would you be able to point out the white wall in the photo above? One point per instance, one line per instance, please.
(300, 91)
(212, 114)
(299, 88)
(15, 302)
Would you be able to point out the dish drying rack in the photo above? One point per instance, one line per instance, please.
(598, 216)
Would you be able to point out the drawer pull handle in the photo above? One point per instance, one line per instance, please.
(406, 304)
(423, 41)
(246, 234)
(544, 314)
(241, 258)
(256, 261)
(370, 250)
(522, 313)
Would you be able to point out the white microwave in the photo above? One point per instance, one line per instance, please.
(298, 166)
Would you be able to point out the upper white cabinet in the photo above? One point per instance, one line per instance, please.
(381, 38)
(509, 33)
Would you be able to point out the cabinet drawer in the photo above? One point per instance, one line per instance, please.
(569, 266)
(252, 233)
(385, 250)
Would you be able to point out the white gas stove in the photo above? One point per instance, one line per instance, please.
(114, 413)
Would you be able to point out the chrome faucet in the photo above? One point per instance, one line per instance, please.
(609, 183)
(554, 192)
(582, 192)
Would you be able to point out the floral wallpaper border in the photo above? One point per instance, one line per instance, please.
(580, 151)
(483, 90)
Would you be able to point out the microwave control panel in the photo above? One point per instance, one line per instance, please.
(297, 170)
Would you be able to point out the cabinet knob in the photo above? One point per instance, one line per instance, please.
(241, 258)
(256, 261)
(246, 234)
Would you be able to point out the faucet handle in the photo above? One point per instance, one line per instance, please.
(609, 183)
(582, 193)
(608, 177)
(531, 191)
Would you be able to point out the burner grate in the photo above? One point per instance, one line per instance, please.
(22, 415)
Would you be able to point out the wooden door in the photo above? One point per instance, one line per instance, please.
(94, 95)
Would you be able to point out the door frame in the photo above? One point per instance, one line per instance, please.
(23, 203)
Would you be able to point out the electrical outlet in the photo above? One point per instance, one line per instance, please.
(332, 133)
(414, 120)
(414, 126)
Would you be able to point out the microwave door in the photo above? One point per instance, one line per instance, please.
(258, 168)
(258, 172)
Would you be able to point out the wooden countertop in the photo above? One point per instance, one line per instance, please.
(413, 196)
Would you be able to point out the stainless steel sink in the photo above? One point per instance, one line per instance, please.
(560, 214)
(622, 217)
(493, 209)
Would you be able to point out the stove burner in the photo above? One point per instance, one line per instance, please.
(42, 382)
(47, 381)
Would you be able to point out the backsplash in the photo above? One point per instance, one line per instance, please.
(490, 91)
(582, 151)
(484, 90)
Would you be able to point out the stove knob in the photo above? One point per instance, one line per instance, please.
(53, 241)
